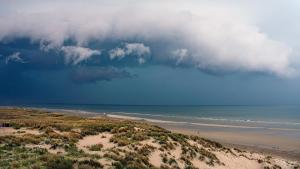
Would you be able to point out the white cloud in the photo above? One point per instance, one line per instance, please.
(117, 53)
(77, 54)
(179, 55)
(138, 49)
(141, 60)
(15, 57)
(216, 36)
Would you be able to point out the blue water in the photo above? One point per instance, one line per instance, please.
(281, 117)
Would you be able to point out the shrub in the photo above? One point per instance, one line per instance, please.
(209, 143)
(89, 164)
(164, 159)
(120, 140)
(96, 147)
(73, 150)
(178, 137)
(172, 161)
(145, 150)
(139, 137)
(62, 127)
(88, 131)
(131, 160)
(211, 156)
(59, 163)
(162, 139)
(118, 165)
(16, 125)
(190, 167)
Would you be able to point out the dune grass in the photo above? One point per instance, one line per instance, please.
(63, 131)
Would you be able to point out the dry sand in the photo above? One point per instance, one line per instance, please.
(11, 131)
(250, 141)
(102, 138)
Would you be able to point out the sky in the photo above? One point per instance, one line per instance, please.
(159, 52)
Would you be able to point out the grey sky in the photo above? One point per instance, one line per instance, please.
(100, 47)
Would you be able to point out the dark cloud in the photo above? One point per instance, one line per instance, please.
(62, 44)
(15, 66)
(94, 74)
(204, 35)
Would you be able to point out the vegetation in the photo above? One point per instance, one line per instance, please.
(96, 147)
(56, 144)
(59, 163)
(89, 164)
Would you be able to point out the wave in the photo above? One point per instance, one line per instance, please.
(198, 124)
(247, 121)
(210, 118)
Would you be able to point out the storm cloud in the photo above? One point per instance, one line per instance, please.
(206, 38)
(150, 52)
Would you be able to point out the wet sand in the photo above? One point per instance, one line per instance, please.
(266, 142)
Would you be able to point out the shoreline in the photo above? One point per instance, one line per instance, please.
(250, 141)
(88, 139)
(256, 142)
(235, 140)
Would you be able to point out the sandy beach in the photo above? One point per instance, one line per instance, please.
(260, 142)
(253, 139)
(51, 139)
(276, 141)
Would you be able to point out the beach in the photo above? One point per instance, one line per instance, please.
(254, 141)
(269, 141)
(275, 137)
(86, 139)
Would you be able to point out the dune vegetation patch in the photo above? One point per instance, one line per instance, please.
(41, 139)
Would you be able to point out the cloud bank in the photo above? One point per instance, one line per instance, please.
(214, 40)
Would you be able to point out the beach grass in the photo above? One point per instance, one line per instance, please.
(42, 139)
